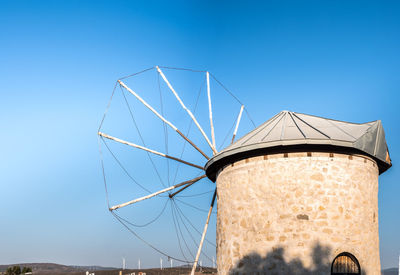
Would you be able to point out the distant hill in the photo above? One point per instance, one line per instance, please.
(92, 267)
(390, 271)
(57, 269)
(51, 268)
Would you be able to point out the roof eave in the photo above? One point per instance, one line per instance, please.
(230, 156)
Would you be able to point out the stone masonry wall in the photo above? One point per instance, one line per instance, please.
(287, 213)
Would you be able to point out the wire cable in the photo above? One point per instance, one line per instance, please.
(148, 69)
(123, 168)
(182, 69)
(180, 231)
(142, 139)
(147, 243)
(195, 207)
(151, 221)
(104, 174)
(108, 106)
(227, 90)
(191, 236)
(227, 134)
(176, 232)
(195, 195)
(191, 224)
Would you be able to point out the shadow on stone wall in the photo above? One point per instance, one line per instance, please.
(274, 263)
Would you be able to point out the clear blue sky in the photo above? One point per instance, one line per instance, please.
(60, 59)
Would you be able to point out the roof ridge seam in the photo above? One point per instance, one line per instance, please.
(356, 123)
(272, 129)
(314, 128)
(298, 128)
(262, 127)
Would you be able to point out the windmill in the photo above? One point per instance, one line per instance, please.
(266, 188)
(205, 148)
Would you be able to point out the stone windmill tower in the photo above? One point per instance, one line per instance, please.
(296, 184)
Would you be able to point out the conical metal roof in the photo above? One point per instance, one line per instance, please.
(289, 131)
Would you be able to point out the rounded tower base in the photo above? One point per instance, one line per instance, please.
(294, 213)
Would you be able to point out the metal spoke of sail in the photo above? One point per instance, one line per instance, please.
(237, 123)
(162, 118)
(210, 110)
(204, 233)
(188, 185)
(155, 193)
(149, 150)
(186, 109)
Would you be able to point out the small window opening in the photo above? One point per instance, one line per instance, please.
(345, 264)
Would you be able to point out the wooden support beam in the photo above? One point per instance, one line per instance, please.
(149, 150)
(183, 188)
(210, 110)
(162, 118)
(186, 109)
(188, 182)
(237, 123)
(204, 233)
